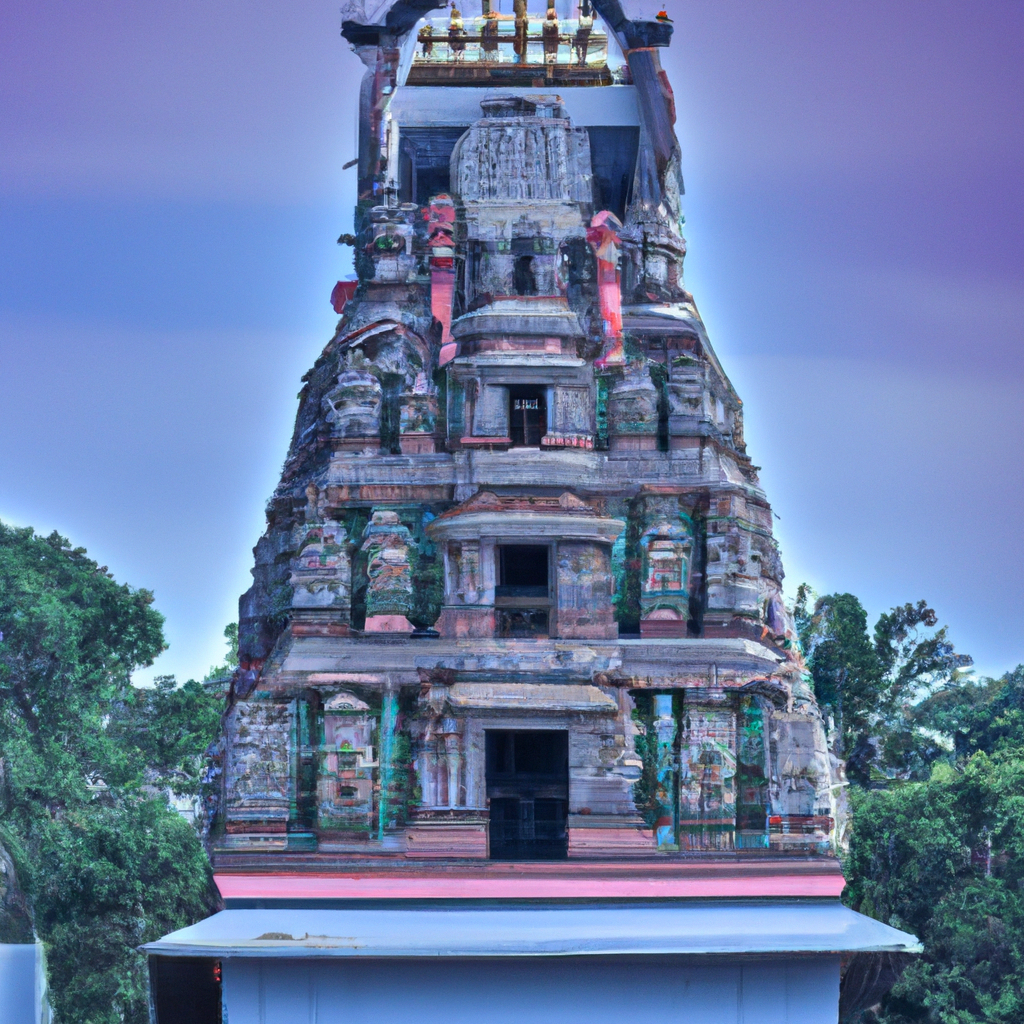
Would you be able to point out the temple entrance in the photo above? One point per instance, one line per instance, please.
(528, 793)
(527, 416)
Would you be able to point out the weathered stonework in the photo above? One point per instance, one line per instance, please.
(518, 596)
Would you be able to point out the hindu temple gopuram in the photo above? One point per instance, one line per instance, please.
(516, 645)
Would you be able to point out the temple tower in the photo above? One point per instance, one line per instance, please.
(516, 628)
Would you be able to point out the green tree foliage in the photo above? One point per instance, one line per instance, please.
(85, 760)
(870, 684)
(937, 831)
(978, 715)
(230, 663)
(167, 729)
(943, 857)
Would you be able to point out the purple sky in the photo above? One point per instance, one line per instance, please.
(170, 192)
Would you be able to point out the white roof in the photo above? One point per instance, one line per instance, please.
(537, 930)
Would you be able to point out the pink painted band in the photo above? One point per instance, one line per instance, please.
(376, 887)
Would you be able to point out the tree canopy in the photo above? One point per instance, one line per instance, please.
(870, 684)
(936, 759)
(87, 762)
(943, 857)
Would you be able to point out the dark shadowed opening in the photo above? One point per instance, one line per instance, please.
(186, 990)
(523, 570)
(527, 416)
(522, 596)
(528, 794)
(524, 281)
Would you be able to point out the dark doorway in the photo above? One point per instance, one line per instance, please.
(528, 794)
(424, 162)
(527, 416)
(186, 990)
(613, 153)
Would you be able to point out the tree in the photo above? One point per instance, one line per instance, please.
(944, 857)
(104, 863)
(848, 678)
(986, 714)
(225, 670)
(870, 685)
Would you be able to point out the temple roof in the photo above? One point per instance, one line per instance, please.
(538, 930)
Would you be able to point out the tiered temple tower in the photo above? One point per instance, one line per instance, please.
(517, 619)
(518, 526)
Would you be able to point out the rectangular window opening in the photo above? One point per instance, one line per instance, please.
(527, 416)
(522, 596)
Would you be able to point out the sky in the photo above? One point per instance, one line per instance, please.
(171, 189)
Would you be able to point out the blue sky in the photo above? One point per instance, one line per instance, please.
(170, 193)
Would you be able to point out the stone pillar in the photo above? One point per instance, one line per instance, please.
(665, 730)
(468, 609)
(390, 550)
(584, 591)
(388, 719)
(257, 774)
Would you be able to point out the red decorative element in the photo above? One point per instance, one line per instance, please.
(591, 882)
(567, 441)
(603, 236)
(440, 219)
(342, 293)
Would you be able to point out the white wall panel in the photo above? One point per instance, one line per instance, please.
(557, 990)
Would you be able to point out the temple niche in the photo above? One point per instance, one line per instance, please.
(346, 767)
(321, 568)
(667, 553)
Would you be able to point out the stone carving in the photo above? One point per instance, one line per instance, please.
(666, 546)
(257, 767)
(352, 408)
(633, 410)
(585, 590)
(390, 552)
(346, 764)
(391, 247)
(321, 574)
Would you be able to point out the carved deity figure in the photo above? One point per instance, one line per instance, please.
(586, 23)
(441, 754)
(456, 34)
(550, 35)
